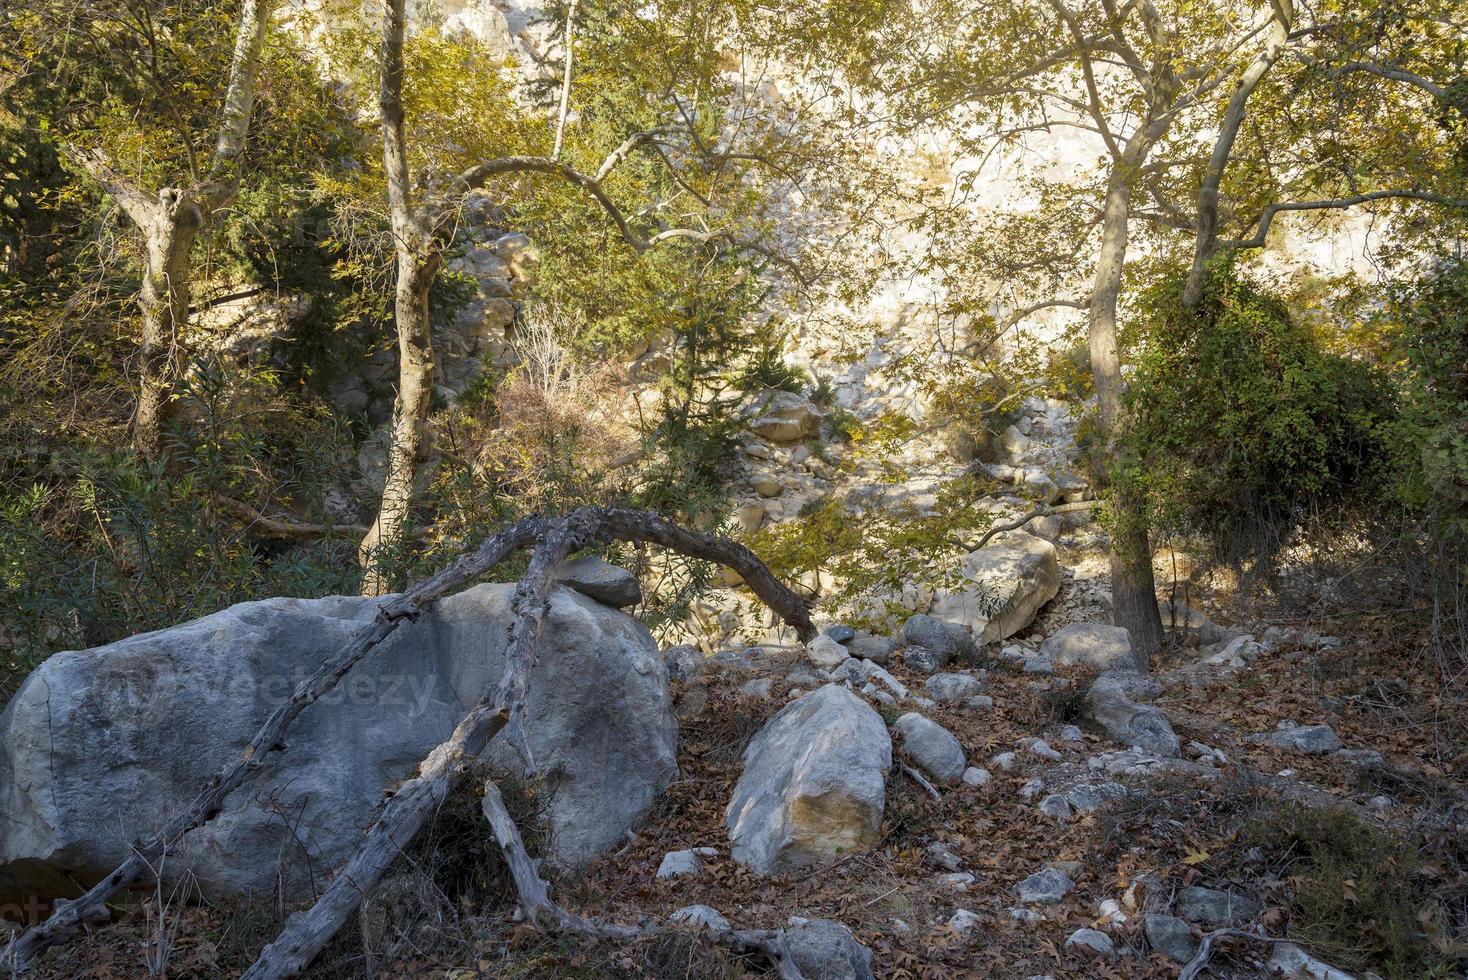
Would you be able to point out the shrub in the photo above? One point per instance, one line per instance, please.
(1240, 425)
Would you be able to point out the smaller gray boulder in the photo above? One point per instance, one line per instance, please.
(1093, 645)
(1110, 708)
(602, 581)
(825, 652)
(1216, 907)
(870, 646)
(947, 640)
(1093, 940)
(952, 687)
(826, 950)
(921, 660)
(1047, 887)
(840, 632)
(702, 917)
(931, 747)
(1170, 936)
(1309, 739)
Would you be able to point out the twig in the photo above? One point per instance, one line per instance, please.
(1039, 511)
(917, 777)
(1199, 961)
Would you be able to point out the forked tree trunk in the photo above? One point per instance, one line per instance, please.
(1133, 590)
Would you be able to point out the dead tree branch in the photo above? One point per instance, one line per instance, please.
(307, 932)
(1019, 522)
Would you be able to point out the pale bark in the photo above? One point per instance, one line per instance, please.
(1206, 239)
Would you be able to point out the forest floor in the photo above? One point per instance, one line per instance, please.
(1374, 883)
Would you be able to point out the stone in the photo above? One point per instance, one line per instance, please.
(757, 689)
(750, 515)
(1109, 708)
(921, 660)
(840, 633)
(952, 687)
(1093, 940)
(959, 881)
(1217, 908)
(90, 744)
(948, 641)
(1309, 739)
(1010, 582)
(702, 917)
(1290, 962)
(1043, 749)
(1031, 789)
(931, 747)
(1004, 760)
(783, 416)
(869, 646)
(1093, 645)
(518, 252)
(602, 581)
(1182, 617)
(1056, 806)
(963, 922)
(1047, 887)
(1170, 936)
(679, 864)
(979, 702)
(974, 776)
(768, 486)
(1071, 733)
(825, 652)
(826, 950)
(814, 784)
(849, 671)
(941, 855)
(683, 662)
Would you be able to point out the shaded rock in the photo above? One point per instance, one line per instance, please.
(826, 950)
(921, 660)
(869, 646)
(683, 662)
(1011, 581)
(1094, 645)
(931, 747)
(91, 741)
(973, 776)
(1290, 962)
(952, 687)
(1047, 887)
(1217, 908)
(979, 702)
(679, 864)
(947, 641)
(840, 633)
(757, 689)
(963, 922)
(1056, 806)
(602, 581)
(1110, 708)
(1170, 936)
(1309, 739)
(814, 784)
(1182, 617)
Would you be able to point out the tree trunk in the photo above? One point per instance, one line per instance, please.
(1133, 591)
(410, 440)
(417, 263)
(169, 234)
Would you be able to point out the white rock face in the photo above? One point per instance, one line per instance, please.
(100, 746)
(1018, 576)
(814, 784)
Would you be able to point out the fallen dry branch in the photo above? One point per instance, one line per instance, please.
(1199, 962)
(307, 932)
(404, 814)
(541, 912)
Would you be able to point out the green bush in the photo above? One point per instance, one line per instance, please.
(1240, 425)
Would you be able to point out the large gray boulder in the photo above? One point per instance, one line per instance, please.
(1009, 582)
(1094, 645)
(814, 784)
(947, 641)
(101, 746)
(1116, 707)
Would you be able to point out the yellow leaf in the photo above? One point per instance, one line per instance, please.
(1196, 857)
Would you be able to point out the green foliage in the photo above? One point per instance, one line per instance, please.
(1359, 900)
(1239, 425)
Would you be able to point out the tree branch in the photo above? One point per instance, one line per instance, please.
(1340, 203)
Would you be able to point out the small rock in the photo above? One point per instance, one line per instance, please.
(973, 776)
(959, 881)
(1094, 645)
(1293, 963)
(601, 580)
(1071, 733)
(1309, 739)
(869, 646)
(1047, 887)
(840, 633)
(1170, 936)
(1109, 913)
(701, 916)
(1217, 908)
(1092, 939)
(963, 922)
(757, 689)
(684, 662)
(825, 652)
(826, 950)
(980, 702)
(1056, 806)
(768, 486)
(952, 687)
(1031, 789)
(1109, 706)
(1043, 749)
(680, 864)
(1004, 760)
(931, 747)
(947, 640)
(849, 672)
(1025, 915)
(921, 660)
(940, 855)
